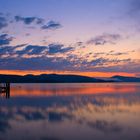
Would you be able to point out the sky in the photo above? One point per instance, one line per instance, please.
(99, 38)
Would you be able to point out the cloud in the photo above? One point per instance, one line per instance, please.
(105, 39)
(7, 50)
(51, 25)
(35, 63)
(29, 20)
(67, 63)
(32, 50)
(105, 61)
(112, 53)
(99, 61)
(117, 53)
(5, 40)
(39, 20)
(58, 48)
(51, 49)
(59, 57)
(35, 57)
(3, 22)
(110, 65)
(79, 43)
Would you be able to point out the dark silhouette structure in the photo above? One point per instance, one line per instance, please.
(5, 89)
(60, 78)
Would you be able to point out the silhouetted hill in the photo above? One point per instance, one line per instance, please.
(48, 78)
(125, 79)
(54, 78)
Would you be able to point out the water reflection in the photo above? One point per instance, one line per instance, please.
(70, 114)
(5, 90)
(72, 89)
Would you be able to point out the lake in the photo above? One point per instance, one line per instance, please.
(106, 111)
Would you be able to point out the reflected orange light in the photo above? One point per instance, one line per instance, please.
(70, 89)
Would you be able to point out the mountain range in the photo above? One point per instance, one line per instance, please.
(55, 78)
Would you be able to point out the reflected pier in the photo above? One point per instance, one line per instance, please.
(5, 89)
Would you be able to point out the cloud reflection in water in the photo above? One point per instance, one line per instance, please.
(99, 116)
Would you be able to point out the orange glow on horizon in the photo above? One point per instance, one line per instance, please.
(90, 74)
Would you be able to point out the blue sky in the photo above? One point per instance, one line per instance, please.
(73, 36)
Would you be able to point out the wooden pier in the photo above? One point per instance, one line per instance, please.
(5, 89)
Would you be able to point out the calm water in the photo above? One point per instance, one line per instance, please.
(71, 112)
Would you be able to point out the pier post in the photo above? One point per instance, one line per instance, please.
(7, 90)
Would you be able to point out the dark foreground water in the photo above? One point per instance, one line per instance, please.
(71, 112)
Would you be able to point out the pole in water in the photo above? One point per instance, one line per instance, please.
(7, 90)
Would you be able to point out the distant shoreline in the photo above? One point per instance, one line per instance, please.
(55, 78)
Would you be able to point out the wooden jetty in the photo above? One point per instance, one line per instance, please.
(5, 89)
